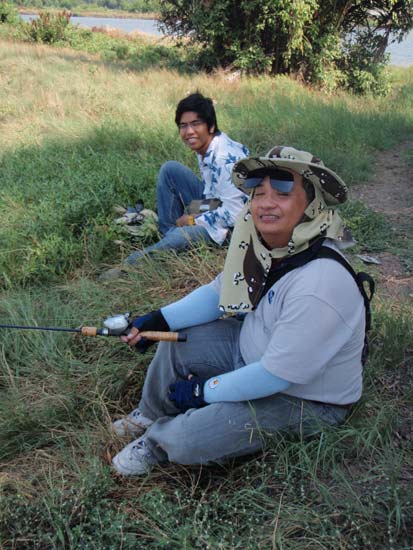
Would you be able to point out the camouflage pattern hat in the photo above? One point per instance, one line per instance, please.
(333, 188)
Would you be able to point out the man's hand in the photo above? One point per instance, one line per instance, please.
(135, 340)
(188, 394)
(151, 321)
(186, 219)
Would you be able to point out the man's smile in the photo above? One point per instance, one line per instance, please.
(269, 217)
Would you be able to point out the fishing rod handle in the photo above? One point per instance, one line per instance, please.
(157, 336)
(90, 331)
(148, 334)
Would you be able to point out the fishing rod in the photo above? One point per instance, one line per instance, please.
(117, 325)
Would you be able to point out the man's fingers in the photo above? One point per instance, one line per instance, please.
(132, 338)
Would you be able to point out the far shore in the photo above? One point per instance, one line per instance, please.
(92, 13)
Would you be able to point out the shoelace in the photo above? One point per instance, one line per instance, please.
(141, 453)
(140, 450)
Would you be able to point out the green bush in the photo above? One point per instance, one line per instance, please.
(48, 28)
(8, 13)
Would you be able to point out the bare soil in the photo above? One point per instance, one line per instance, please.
(390, 192)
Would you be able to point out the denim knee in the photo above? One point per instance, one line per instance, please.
(168, 169)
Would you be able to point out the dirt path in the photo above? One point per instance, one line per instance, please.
(390, 192)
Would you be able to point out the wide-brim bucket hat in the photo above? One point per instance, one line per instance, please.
(333, 188)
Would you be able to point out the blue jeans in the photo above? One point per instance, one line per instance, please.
(177, 187)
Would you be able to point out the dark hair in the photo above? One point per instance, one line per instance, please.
(200, 105)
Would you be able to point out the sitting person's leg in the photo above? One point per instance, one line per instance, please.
(177, 238)
(221, 431)
(210, 350)
(177, 186)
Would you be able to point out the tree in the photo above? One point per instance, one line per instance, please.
(326, 42)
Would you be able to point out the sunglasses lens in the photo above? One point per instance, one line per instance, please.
(250, 183)
(282, 186)
(280, 180)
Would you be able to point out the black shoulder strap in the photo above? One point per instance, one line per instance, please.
(360, 278)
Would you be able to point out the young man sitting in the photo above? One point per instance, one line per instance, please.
(178, 186)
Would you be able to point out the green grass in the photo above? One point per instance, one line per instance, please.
(79, 134)
(94, 135)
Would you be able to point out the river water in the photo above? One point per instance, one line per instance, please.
(149, 26)
(400, 54)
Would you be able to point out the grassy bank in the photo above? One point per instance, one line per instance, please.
(80, 133)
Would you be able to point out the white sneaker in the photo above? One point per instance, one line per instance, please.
(135, 459)
(134, 424)
(112, 274)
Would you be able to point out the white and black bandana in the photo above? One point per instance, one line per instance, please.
(248, 261)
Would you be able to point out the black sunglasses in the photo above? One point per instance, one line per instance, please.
(280, 180)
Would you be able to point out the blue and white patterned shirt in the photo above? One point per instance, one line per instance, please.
(216, 167)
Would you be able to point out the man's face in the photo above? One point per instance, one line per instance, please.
(194, 132)
(275, 214)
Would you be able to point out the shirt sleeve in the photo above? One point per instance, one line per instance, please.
(306, 337)
(196, 308)
(252, 381)
(222, 188)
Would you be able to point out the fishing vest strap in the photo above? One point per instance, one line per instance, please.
(360, 278)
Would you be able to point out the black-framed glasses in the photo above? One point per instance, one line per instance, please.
(280, 180)
(193, 124)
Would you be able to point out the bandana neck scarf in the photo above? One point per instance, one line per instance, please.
(248, 261)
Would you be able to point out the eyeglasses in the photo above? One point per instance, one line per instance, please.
(280, 180)
(194, 124)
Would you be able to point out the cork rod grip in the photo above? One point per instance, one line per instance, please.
(89, 331)
(165, 336)
(149, 334)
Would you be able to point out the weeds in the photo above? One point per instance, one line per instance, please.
(48, 28)
(100, 135)
(369, 228)
(346, 487)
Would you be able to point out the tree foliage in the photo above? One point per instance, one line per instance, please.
(327, 42)
(8, 13)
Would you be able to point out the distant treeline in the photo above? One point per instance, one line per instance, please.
(138, 6)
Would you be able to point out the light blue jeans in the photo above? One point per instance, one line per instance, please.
(219, 431)
(177, 186)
